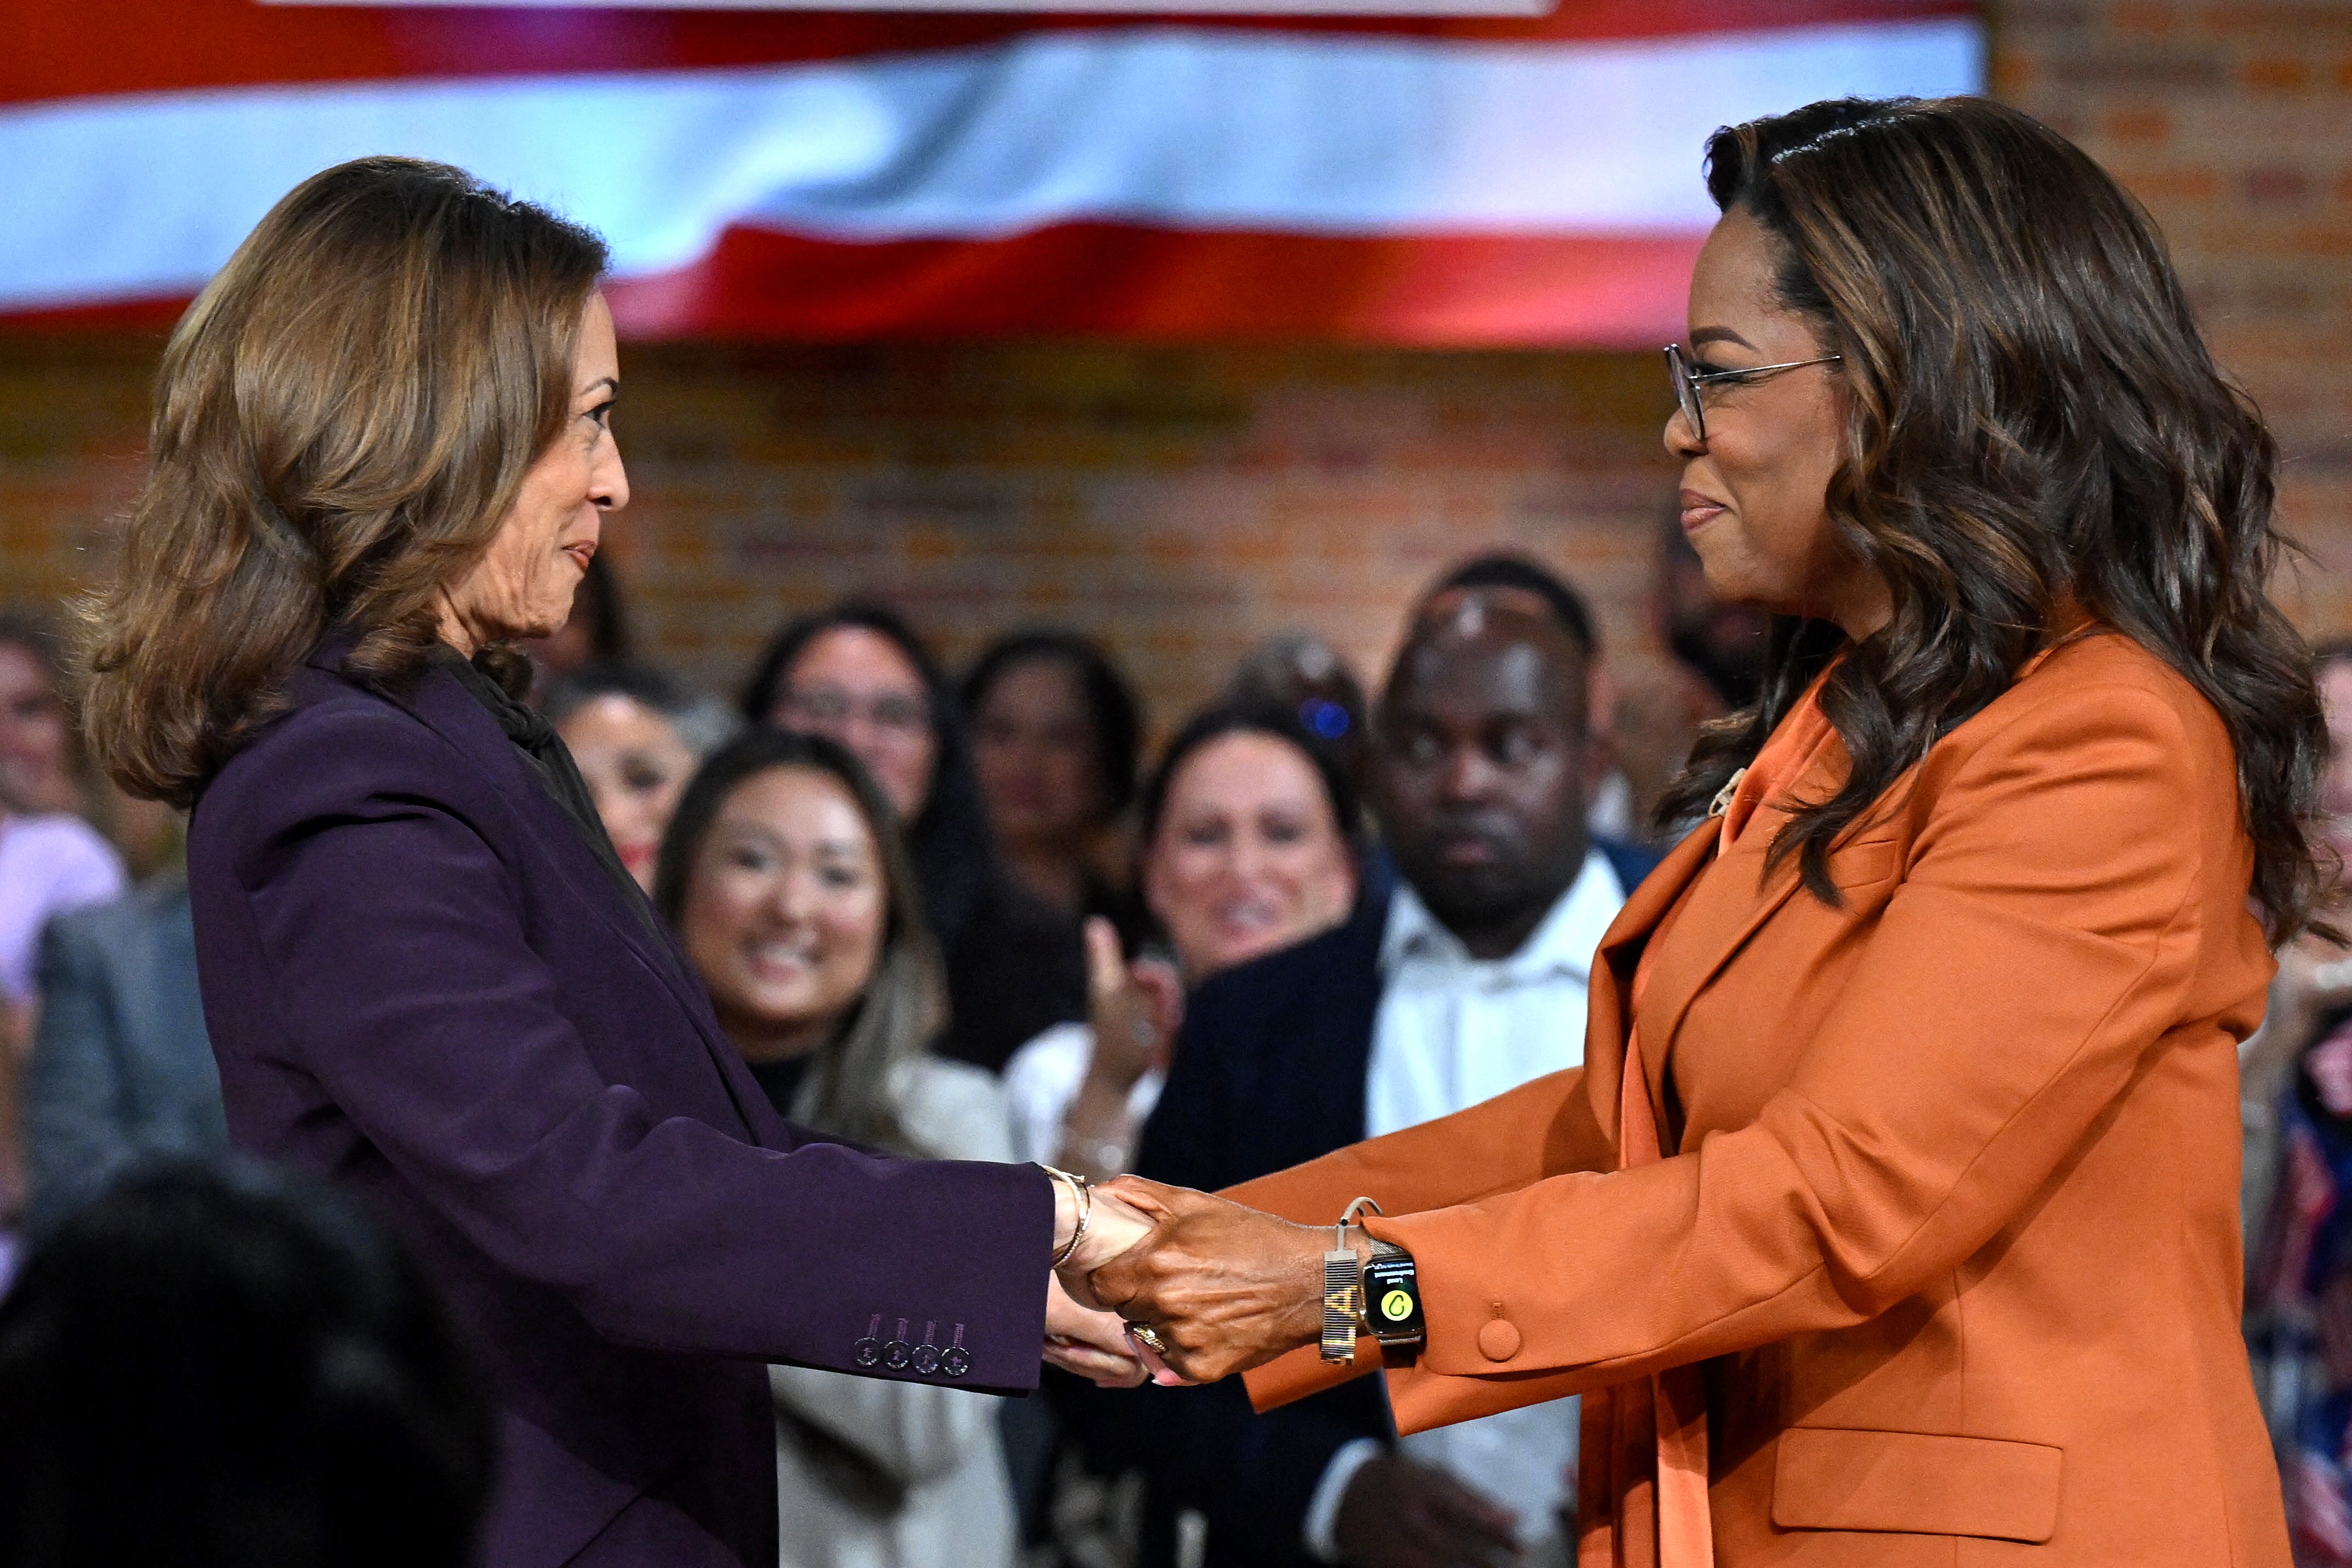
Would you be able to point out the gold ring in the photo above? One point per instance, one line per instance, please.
(1149, 1336)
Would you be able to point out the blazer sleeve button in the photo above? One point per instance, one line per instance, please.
(1498, 1340)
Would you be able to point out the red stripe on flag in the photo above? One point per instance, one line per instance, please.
(1158, 285)
(88, 47)
(1153, 285)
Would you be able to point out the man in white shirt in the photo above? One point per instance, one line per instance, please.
(1468, 981)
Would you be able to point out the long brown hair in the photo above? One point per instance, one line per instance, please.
(848, 1091)
(342, 420)
(2034, 429)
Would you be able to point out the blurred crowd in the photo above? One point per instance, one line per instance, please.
(982, 917)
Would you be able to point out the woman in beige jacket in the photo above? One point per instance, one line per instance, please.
(785, 880)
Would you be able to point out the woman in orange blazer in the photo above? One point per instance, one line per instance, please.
(1893, 1217)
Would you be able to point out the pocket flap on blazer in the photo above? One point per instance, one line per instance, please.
(1830, 1477)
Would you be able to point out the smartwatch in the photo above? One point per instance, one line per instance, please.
(1391, 1297)
(1382, 1294)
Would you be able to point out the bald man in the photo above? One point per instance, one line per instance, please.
(1467, 981)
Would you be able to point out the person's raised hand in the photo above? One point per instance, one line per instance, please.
(1397, 1514)
(1224, 1288)
(1133, 1009)
(1089, 1341)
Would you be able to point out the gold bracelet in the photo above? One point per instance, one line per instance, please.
(1082, 1193)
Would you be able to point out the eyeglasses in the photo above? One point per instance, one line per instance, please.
(829, 710)
(1687, 381)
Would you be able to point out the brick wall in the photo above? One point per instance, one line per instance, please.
(2232, 119)
(1182, 503)
(1177, 503)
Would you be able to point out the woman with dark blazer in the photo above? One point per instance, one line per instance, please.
(381, 452)
(1892, 1219)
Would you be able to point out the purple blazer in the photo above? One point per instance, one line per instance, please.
(421, 983)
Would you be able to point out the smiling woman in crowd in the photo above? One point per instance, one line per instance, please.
(785, 880)
(1250, 837)
(382, 453)
(858, 673)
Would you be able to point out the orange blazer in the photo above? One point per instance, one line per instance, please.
(1953, 1225)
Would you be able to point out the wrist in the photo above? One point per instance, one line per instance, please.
(1104, 1089)
(1304, 1324)
(1101, 1094)
(1066, 1211)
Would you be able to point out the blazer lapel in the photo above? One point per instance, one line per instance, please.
(1618, 955)
(1732, 897)
(439, 701)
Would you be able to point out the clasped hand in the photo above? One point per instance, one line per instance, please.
(1222, 1287)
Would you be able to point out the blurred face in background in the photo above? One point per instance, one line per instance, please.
(1034, 740)
(35, 735)
(856, 686)
(636, 768)
(785, 911)
(1247, 858)
(1480, 771)
(1720, 642)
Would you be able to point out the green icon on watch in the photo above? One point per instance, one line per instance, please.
(1396, 1306)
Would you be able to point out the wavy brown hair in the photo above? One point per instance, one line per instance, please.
(2033, 430)
(342, 420)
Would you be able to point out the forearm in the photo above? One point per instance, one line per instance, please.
(1540, 1129)
(432, 1024)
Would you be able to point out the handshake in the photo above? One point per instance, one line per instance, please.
(1179, 1286)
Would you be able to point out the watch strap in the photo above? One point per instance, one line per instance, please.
(1342, 1287)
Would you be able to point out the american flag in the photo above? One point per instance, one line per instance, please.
(831, 175)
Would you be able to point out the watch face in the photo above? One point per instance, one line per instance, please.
(1392, 1296)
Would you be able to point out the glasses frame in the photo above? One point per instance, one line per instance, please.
(828, 711)
(1687, 381)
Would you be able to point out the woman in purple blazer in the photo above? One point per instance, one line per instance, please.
(380, 454)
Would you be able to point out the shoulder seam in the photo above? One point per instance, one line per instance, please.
(2026, 710)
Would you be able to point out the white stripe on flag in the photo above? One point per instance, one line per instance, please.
(133, 197)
